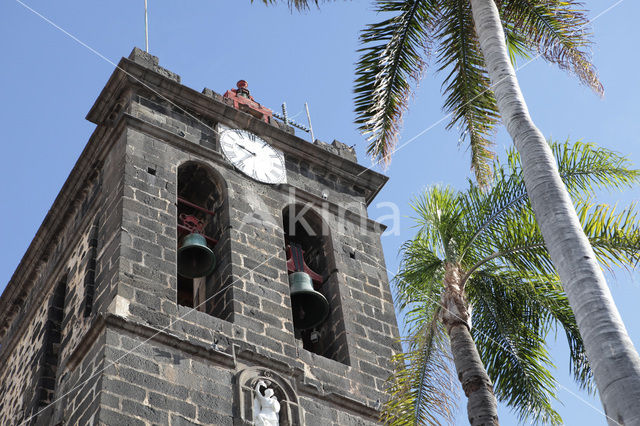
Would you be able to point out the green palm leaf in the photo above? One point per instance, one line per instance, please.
(395, 52)
(586, 168)
(297, 4)
(558, 31)
(421, 386)
(507, 274)
(510, 330)
(550, 297)
(438, 216)
(615, 236)
(391, 59)
(422, 390)
(466, 86)
(421, 272)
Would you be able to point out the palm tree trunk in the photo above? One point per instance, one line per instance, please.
(482, 407)
(613, 358)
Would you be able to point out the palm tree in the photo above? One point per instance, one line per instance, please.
(475, 41)
(482, 249)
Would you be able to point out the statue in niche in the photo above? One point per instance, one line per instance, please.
(265, 398)
(265, 406)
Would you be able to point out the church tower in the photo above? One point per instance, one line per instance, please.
(201, 265)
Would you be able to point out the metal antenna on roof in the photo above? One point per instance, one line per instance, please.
(284, 113)
(313, 139)
(285, 119)
(146, 27)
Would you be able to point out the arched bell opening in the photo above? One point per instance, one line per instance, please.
(202, 245)
(315, 301)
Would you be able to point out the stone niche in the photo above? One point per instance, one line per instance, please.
(245, 393)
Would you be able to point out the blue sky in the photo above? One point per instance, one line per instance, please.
(48, 82)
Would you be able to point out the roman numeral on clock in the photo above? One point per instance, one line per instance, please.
(275, 174)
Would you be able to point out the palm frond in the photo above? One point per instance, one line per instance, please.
(510, 332)
(516, 43)
(489, 209)
(420, 272)
(614, 236)
(422, 388)
(506, 225)
(585, 168)
(299, 5)
(392, 57)
(559, 32)
(438, 212)
(516, 295)
(550, 297)
(469, 98)
(518, 243)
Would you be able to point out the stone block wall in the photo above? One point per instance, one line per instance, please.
(128, 352)
(67, 276)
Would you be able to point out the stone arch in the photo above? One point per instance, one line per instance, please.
(245, 384)
(202, 192)
(303, 225)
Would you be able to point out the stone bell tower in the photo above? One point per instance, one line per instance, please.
(201, 265)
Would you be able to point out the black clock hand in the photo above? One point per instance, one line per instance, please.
(249, 151)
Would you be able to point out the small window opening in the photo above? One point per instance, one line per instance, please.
(151, 171)
(202, 242)
(307, 236)
(51, 346)
(90, 270)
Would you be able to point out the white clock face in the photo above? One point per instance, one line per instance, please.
(253, 156)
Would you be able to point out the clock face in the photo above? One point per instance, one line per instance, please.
(253, 156)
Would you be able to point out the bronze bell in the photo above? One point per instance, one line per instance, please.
(309, 306)
(195, 259)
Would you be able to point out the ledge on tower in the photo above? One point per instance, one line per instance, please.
(147, 60)
(343, 150)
